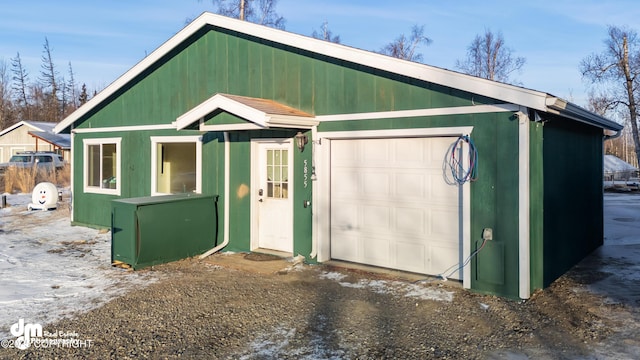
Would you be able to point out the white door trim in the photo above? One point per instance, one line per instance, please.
(255, 184)
(322, 197)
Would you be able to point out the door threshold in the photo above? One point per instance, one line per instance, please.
(282, 254)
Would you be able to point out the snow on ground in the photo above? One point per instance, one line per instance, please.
(620, 255)
(50, 270)
(417, 290)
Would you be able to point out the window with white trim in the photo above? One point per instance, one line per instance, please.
(176, 164)
(101, 166)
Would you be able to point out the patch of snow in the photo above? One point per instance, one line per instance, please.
(281, 343)
(415, 290)
(332, 275)
(51, 270)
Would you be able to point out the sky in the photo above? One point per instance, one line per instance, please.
(102, 39)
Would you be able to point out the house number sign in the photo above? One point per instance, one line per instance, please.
(306, 173)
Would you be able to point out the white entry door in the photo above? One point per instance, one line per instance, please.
(274, 198)
(391, 207)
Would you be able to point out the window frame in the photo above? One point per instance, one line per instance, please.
(85, 165)
(155, 140)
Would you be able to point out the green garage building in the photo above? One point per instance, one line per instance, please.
(331, 152)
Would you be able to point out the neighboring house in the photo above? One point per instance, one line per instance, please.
(618, 169)
(33, 136)
(221, 107)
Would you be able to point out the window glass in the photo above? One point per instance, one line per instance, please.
(44, 158)
(101, 165)
(93, 166)
(277, 174)
(176, 168)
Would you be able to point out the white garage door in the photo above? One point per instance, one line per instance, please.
(390, 205)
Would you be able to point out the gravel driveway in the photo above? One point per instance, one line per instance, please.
(266, 308)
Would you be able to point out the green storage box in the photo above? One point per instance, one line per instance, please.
(152, 230)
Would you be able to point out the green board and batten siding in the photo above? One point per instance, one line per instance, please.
(215, 60)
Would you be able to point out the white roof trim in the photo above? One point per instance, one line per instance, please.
(219, 101)
(503, 92)
(230, 127)
(21, 123)
(260, 119)
(125, 128)
(456, 110)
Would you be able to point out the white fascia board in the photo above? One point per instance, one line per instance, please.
(285, 121)
(575, 112)
(504, 92)
(457, 110)
(13, 127)
(397, 133)
(124, 128)
(230, 127)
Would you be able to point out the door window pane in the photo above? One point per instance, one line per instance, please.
(277, 174)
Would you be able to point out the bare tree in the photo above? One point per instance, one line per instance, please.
(617, 69)
(326, 34)
(261, 12)
(72, 89)
(20, 87)
(488, 57)
(49, 81)
(6, 106)
(405, 47)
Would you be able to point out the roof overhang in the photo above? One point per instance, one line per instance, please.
(259, 114)
(566, 109)
(57, 140)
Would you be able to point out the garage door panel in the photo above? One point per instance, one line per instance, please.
(396, 210)
(442, 221)
(411, 222)
(344, 216)
(346, 181)
(374, 153)
(441, 257)
(376, 218)
(440, 191)
(411, 185)
(376, 251)
(411, 256)
(346, 247)
(375, 184)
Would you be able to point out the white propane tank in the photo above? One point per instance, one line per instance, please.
(44, 197)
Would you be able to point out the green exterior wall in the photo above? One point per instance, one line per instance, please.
(220, 61)
(573, 201)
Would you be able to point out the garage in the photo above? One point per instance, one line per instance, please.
(391, 206)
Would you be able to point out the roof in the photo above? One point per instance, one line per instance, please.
(34, 125)
(62, 141)
(533, 99)
(614, 164)
(261, 113)
(43, 130)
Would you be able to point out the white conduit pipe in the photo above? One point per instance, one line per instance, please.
(225, 241)
(314, 191)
